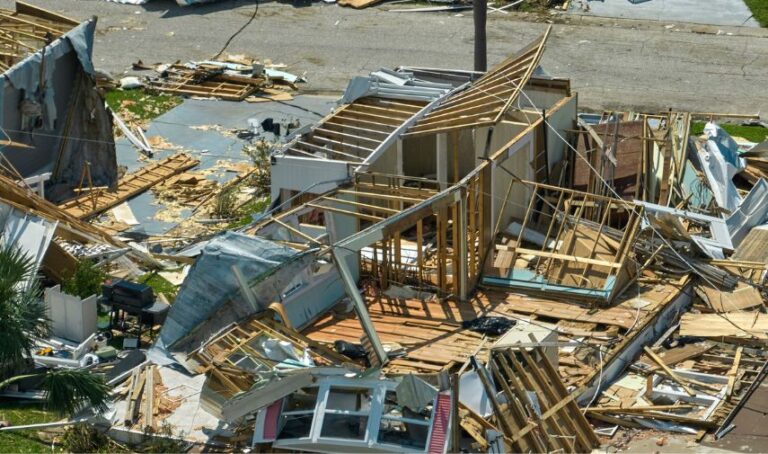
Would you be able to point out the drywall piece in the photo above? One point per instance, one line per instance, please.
(752, 211)
(519, 337)
(123, 213)
(71, 318)
(30, 234)
(472, 395)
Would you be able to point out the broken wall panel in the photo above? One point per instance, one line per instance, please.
(67, 113)
(562, 245)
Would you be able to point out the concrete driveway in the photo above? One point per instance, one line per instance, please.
(714, 12)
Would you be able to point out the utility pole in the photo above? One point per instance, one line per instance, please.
(479, 12)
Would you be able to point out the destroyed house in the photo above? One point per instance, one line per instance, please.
(57, 131)
(457, 260)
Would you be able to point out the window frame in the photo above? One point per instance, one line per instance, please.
(378, 389)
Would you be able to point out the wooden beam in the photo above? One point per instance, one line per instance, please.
(554, 255)
(668, 371)
(296, 231)
(362, 205)
(367, 217)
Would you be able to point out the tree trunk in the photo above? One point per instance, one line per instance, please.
(479, 12)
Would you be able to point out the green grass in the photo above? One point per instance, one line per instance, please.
(159, 285)
(759, 11)
(751, 133)
(245, 212)
(20, 413)
(141, 103)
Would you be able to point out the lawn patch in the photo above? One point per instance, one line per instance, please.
(140, 104)
(21, 413)
(752, 133)
(759, 10)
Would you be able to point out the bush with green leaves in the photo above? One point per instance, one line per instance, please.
(85, 281)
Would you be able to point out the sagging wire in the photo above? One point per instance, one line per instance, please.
(616, 194)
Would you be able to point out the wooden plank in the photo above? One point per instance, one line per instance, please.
(31, 10)
(669, 371)
(734, 324)
(89, 205)
(296, 231)
(733, 372)
(367, 217)
(554, 255)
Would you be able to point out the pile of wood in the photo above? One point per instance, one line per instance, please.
(148, 402)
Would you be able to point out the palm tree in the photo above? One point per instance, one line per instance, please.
(23, 320)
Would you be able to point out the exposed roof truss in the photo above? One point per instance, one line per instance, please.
(488, 99)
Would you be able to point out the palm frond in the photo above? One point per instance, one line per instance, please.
(70, 390)
(23, 317)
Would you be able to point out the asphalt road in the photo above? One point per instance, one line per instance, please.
(612, 64)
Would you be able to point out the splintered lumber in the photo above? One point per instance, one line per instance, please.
(149, 399)
(744, 296)
(669, 371)
(733, 372)
(680, 354)
(138, 379)
(640, 409)
(92, 203)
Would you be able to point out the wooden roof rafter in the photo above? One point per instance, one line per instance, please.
(487, 100)
(355, 131)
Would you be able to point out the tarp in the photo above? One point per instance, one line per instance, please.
(211, 298)
(25, 75)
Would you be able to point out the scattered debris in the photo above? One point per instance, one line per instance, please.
(449, 261)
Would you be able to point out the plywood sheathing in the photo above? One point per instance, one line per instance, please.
(432, 336)
(744, 296)
(753, 247)
(627, 176)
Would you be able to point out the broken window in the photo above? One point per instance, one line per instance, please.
(346, 413)
(402, 426)
(298, 412)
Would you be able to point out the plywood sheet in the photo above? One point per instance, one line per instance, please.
(740, 325)
(744, 296)
(753, 247)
